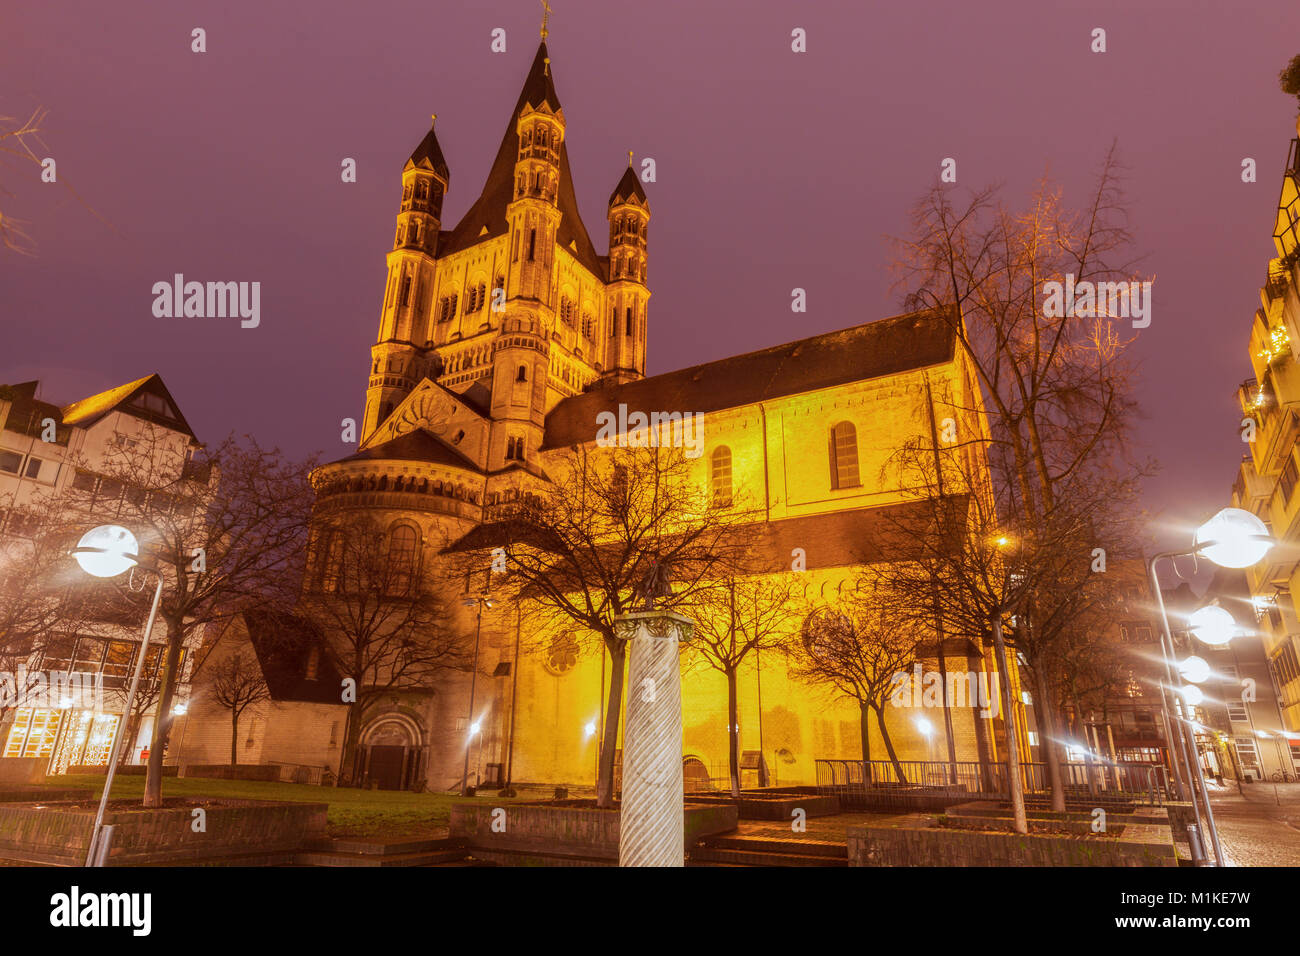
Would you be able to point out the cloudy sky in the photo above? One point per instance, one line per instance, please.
(775, 170)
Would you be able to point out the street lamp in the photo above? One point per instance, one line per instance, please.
(1195, 670)
(106, 552)
(1233, 538)
(479, 603)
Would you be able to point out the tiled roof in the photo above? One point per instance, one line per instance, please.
(282, 642)
(887, 346)
(629, 186)
(416, 445)
(430, 151)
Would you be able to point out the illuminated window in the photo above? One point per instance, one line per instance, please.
(720, 476)
(844, 456)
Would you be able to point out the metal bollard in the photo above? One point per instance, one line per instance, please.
(1198, 852)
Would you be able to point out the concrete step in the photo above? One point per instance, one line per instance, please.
(709, 856)
(756, 844)
(419, 858)
(376, 848)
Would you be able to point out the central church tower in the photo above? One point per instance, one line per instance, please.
(512, 309)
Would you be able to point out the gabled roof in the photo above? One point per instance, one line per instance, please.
(89, 410)
(416, 445)
(487, 217)
(429, 154)
(884, 347)
(629, 187)
(282, 642)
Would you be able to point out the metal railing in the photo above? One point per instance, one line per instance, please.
(925, 784)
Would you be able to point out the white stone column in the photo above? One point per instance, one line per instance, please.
(651, 812)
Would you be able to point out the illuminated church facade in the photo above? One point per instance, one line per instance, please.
(501, 341)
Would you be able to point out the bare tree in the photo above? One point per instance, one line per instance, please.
(735, 616)
(581, 546)
(858, 649)
(235, 681)
(1055, 381)
(385, 623)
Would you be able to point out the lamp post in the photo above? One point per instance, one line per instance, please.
(470, 724)
(106, 552)
(1236, 539)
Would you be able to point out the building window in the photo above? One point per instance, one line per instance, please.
(586, 327)
(514, 449)
(720, 476)
(844, 456)
(402, 548)
(567, 311)
(1248, 754)
(523, 374)
(406, 291)
(447, 308)
(1288, 480)
(629, 321)
(532, 244)
(1285, 662)
(11, 461)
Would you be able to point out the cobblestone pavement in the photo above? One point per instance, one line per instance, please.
(1259, 826)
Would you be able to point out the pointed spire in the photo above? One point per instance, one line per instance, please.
(430, 153)
(539, 88)
(628, 187)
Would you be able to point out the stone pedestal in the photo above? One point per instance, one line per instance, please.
(650, 819)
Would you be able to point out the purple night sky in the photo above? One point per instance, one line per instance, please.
(775, 170)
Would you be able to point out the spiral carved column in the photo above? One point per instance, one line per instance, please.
(651, 814)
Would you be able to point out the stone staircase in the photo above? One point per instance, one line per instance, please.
(327, 852)
(727, 850)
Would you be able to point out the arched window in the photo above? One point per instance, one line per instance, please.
(720, 476)
(403, 545)
(523, 374)
(629, 320)
(331, 566)
(844, 456)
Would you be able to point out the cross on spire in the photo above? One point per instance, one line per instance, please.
(545, 17)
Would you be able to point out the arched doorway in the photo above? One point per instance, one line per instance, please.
(695, 775)
(390, 757)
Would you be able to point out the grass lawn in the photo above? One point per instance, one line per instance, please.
(383, 814)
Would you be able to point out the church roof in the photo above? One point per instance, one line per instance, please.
(628, 187)
(884, 347)
(431, 153)
(416, 445)
(489, 210)
(282, 642)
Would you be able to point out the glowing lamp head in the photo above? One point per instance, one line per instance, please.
(107, 551)
(1233, 538)
(473, 728)
(590, 729)
(924, 726)
(1192, 695)
(1195, 670)
(1212, 625)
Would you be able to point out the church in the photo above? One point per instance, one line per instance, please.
(507, 337)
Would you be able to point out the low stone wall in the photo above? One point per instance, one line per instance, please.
(540, 834)
(126, 770)
(218, 771)
(1077, 821)
(32, 794)
(916, 841)
(60, 833)
(774, 805)
(20, 771)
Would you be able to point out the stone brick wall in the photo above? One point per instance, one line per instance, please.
(58, 834)
(915, 843)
